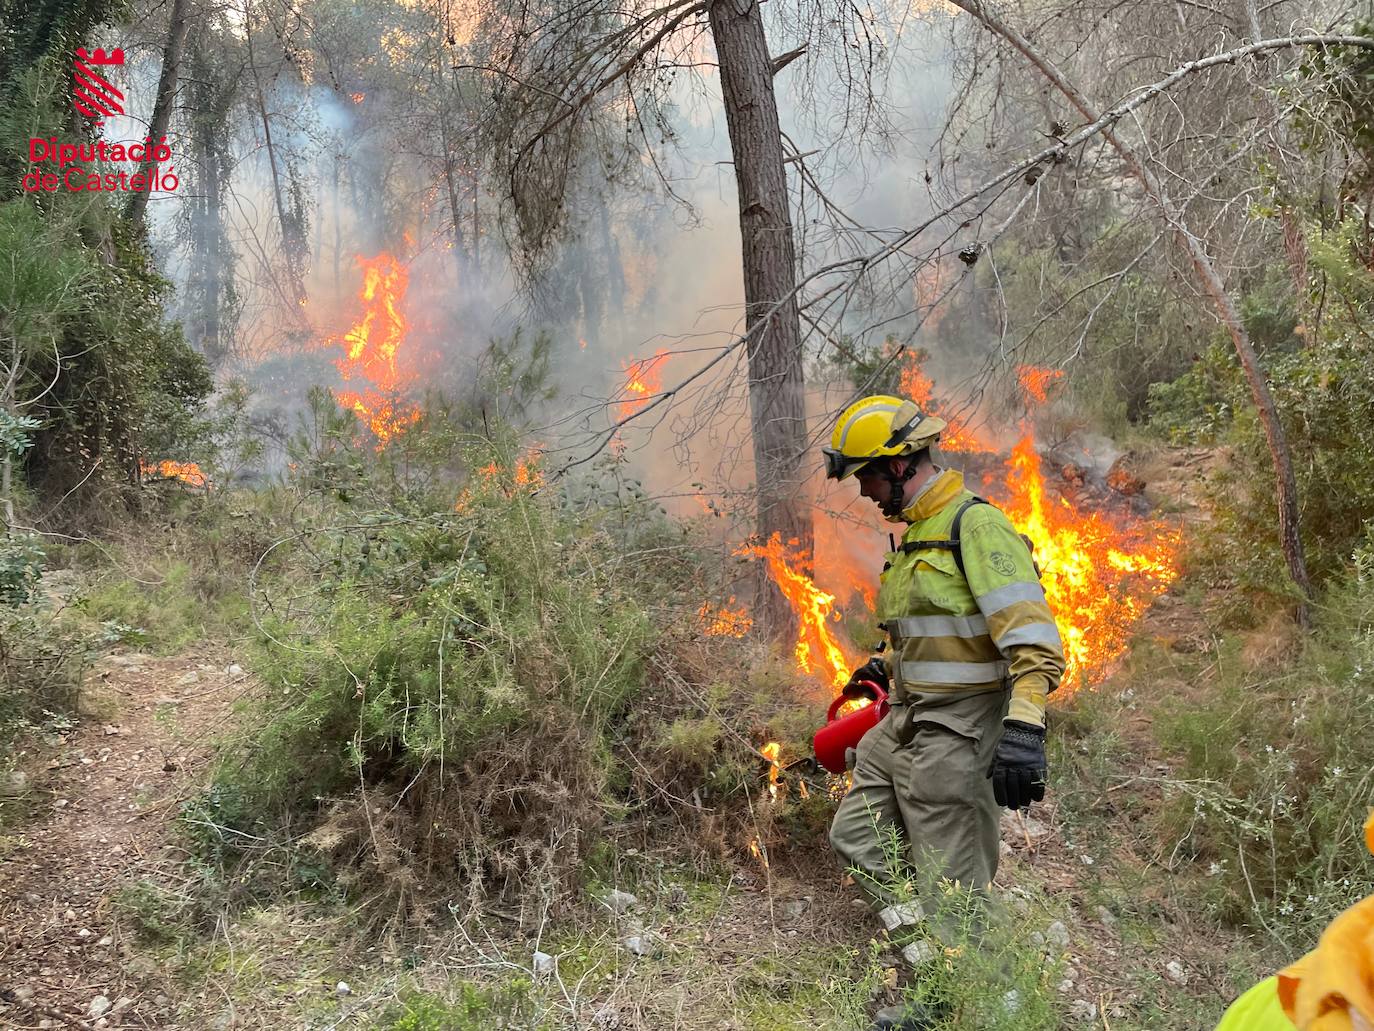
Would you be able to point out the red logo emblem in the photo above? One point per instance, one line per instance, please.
(93, 95)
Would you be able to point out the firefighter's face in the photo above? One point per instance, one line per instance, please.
(873, 479)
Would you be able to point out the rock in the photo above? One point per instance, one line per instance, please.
(110, 730)
(1066, 986)
(618, 901)
(1104, 916)
(99, 1006)
(641, 945)
(121, 1004)
(1057, 934)
(343, 989)
(794, 909)
(1174, 971)
(188, 678)
(1082, 1009)
(61, 803)
(85, 932)
(606, 1017)
(69, 915)
(234, 670)
(107, 940)
(166, 699)
(1018, 900)
(23, 993)
(13, 784)
(544, 964)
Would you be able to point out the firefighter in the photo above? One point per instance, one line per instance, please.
(974, 653)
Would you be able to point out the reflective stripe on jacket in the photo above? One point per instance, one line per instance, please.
(974, 631)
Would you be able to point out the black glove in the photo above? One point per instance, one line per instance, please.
(875, 671)
(1018, 766)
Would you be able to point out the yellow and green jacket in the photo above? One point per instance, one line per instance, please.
(971, 632)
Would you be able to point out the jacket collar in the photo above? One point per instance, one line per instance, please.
(939, 491)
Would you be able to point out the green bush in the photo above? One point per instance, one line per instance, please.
(1274, 785)
(464, 685)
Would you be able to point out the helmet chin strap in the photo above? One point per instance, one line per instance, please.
(896, 496)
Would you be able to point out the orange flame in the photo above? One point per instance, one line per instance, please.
(772, 751)
(817, 650)
(725, 621)
(187, 472)
(370, 350)
(525, 477)
(1036, 381)
(643, 378)
(1099, 575)
(957, 436)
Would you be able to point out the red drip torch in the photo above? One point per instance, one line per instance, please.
(842, 733)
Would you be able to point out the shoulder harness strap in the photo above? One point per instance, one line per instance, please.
(952, 545)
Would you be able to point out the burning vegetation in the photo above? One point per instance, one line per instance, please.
(187, 472)
(371, 347)
(1100, 569)
(643, 380)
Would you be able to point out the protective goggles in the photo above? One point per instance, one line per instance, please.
(839, 465)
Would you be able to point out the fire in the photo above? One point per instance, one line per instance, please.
(817, 649)
(915, 384)
(643, 378)
(370, 350)
(524, 477)
(772, 751)
(1036, 381)
(725, 621)
(1099, 575)
(357, 98)
(187, 472)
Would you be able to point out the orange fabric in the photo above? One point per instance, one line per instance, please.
(1332, 987)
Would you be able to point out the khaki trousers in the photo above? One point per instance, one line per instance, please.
(934, 791)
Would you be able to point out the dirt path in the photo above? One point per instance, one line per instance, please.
(100, 802)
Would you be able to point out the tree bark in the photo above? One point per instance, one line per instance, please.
(1289, 526)
(289, 231)
(776, 399)
(162, 106)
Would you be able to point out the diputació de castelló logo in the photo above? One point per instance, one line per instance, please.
(96, 98)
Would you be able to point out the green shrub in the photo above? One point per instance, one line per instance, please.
(464, 692)
(1273, 789)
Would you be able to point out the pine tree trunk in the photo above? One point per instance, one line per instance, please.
(162, 106)
(776, 398)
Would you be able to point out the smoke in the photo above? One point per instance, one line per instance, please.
(638, 272)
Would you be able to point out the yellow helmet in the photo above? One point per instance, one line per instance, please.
(878, 426)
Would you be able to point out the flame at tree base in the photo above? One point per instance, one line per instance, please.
(817, 649)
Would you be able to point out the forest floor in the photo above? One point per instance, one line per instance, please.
(91, 854)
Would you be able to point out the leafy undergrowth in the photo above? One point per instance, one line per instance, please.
(482, 711)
